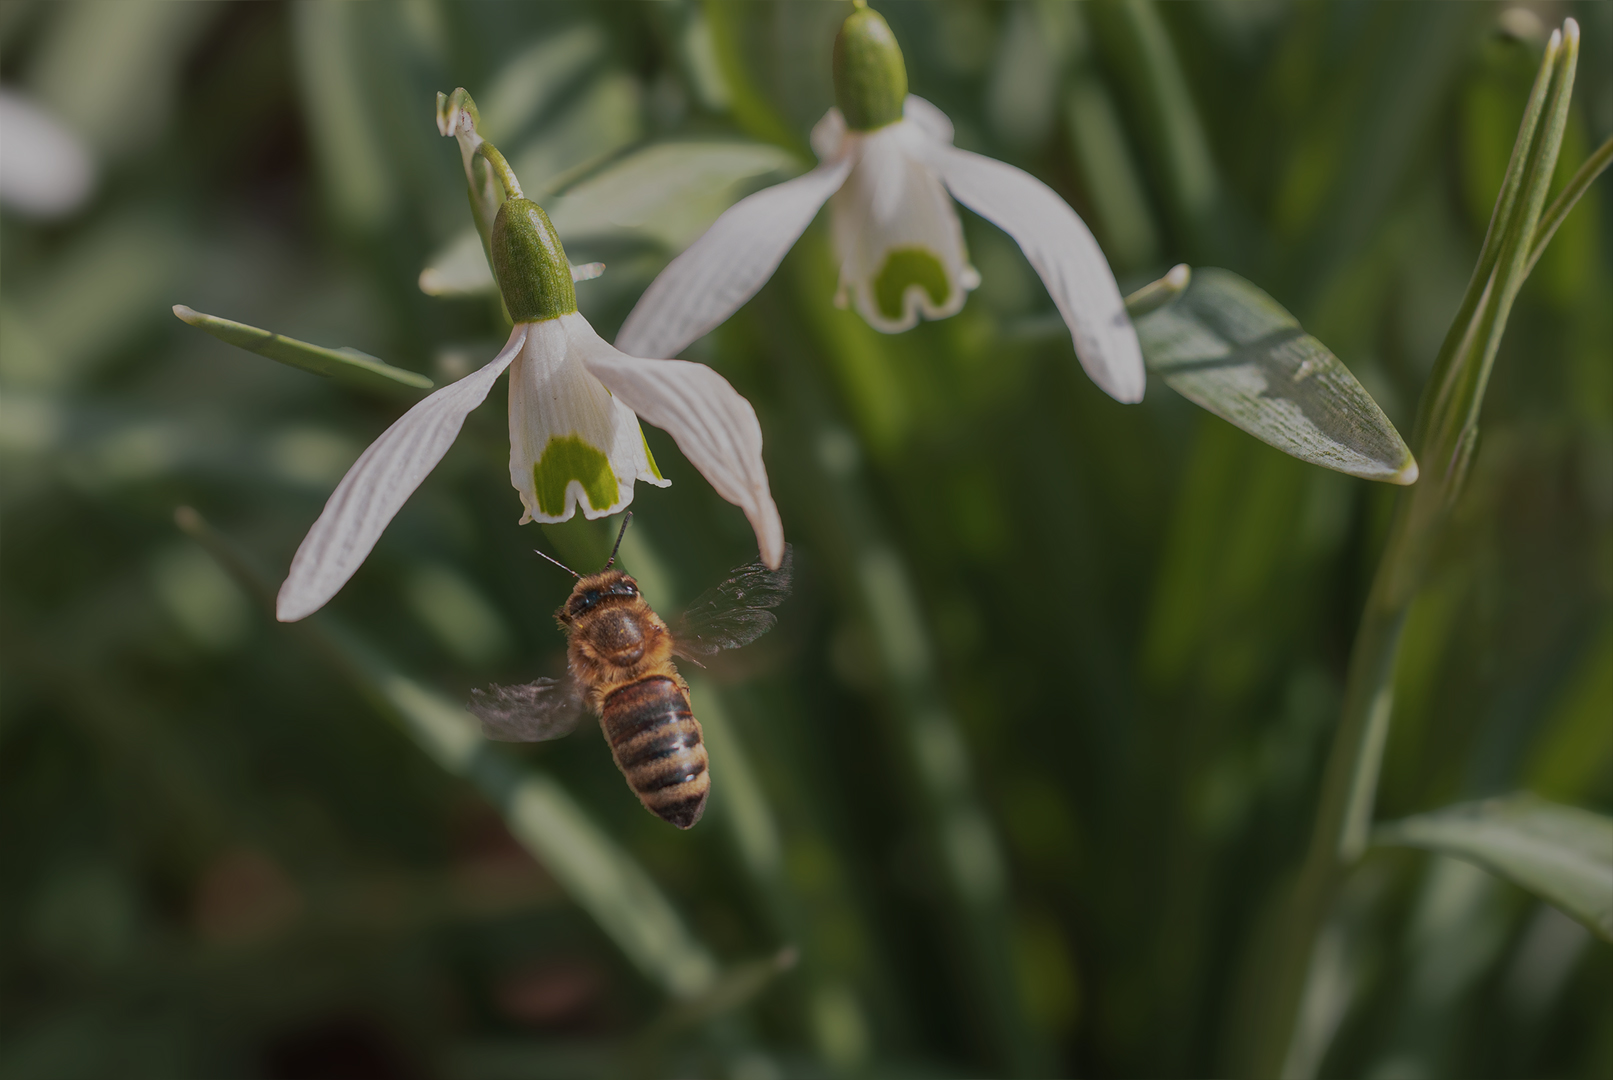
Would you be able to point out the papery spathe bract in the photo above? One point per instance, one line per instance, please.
(897, 236)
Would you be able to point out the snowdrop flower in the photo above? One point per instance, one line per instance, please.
(575, 404)
(46, 171)
(890, 173)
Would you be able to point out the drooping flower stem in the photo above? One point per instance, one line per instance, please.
(501, 169)
(1447, 437)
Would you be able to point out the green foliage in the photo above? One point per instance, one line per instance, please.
(1229, 347)
(1558, 852)
(1024, 772)
(344, 363)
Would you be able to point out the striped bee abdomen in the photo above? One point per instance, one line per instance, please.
(655, 740)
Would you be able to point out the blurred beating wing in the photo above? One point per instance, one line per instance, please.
(546, 709)
(735, 612)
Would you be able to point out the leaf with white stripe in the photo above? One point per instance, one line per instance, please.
(1561, 854)
(1226, 346)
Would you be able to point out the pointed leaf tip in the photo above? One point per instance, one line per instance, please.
(348, 364)
(1560, 853)
(1230, 348)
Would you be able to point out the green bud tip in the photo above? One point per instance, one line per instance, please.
(530, 263)
(870, 77)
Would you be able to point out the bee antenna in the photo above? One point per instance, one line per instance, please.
(619, 536)
(557, 562)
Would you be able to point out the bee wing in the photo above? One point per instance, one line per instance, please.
(736, 611)
(534, 712)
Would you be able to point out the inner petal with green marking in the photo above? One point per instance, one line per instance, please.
(566, 458)
(655, 469)
(905, 266)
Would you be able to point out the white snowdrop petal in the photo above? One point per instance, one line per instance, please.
(931, 120)
(1063, 252)
(712, 424)
(378, 484)
(45, 170)
(828, 136)
(725, 267)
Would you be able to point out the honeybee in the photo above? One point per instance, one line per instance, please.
(619, 667)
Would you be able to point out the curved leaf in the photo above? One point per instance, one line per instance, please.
(349, 365)
(1228, 347)
(1560, 853)
(669, 192)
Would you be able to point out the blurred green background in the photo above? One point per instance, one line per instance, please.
(1037, 741)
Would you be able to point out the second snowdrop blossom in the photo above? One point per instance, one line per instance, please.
(575, 404)
(889, 172)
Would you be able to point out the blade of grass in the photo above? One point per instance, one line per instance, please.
(1146, 58)
(1557, 852)
(601, 877)
(1448, 434)
(749, 106)
(348, 365)
(1565, 202)
(742, 808)
(330, 45)
(1491, 249)
(736, 986)
(944, 804)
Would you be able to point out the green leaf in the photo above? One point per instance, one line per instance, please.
(525, 87)
(337, 65)
(1554, 215)
(599, 874)
(602, 877)
(459, 269)
(670, 192)
(1561, 854)
(1227, 346)
(111, 75)
(349, 365)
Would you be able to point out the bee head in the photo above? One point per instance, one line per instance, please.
(595, 589)
(607, 586)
